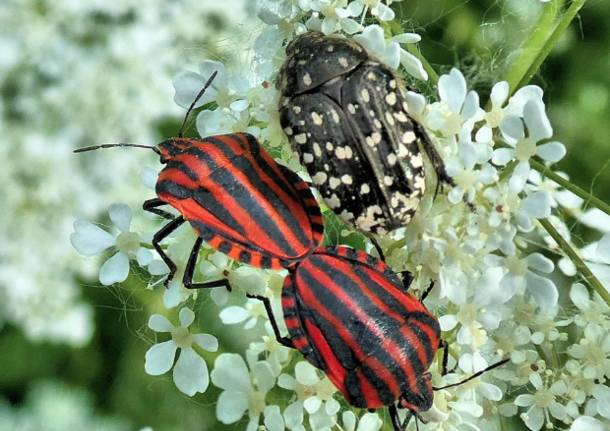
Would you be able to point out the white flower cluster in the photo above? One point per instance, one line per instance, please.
(72, 78)
(496, 270)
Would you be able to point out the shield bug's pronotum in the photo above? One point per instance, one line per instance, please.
(346, 115)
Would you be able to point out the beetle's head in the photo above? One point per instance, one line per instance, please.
(421, 401)
(169, 148)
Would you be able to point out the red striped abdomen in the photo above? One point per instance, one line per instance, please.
(350, 317)
(240, 200)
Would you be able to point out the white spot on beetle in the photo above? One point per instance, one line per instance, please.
(393, 83)
(392, 159)
(408, 137)
(351, 108)
(388, 181)
(377, 123)
(365, 95)
(376, 137)
(420, 183)
(402, 151)
(343, 62)
(416, 161)
(334, 182)
(335, 116)
(317, 151)
(391, 98)
(340, 152)
(301, 138)
(366, 221)
(317, 118)
(296, 109)
(346, 179)
(329, 146)
(333, 202)
(307, 158)
(364, 189)
(371, 76)
(389, 118)
(288, 131)
(346, 215)
(401, 117)
(307, 79)
(319, 178)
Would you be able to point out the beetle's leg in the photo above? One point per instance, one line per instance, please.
(377, 246)
(474, 376)
(187, 279)
(407, 279)
(395, 419)
(160, 236)
(435, 158)
(445, 347)
(151, 205)
(426, 292)
(284, 341)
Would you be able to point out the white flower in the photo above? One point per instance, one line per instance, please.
(314, 395)
(542, 403)
(593, 352)
(243, 390)
(593, 311)
(190, 371)
(587, 423)
(456, 107)
(389, 50)
(90, 240)
(367, 422)
(335, 16)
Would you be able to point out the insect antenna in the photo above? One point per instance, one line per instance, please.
(474, 376)
(199, 96)
(97, 147)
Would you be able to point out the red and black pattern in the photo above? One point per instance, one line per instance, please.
(239, 200)
(350, 316)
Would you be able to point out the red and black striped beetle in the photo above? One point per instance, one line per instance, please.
(345, 114)
(236, 197)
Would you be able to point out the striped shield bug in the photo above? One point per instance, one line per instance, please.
(345, 113)
(350, 316)
(236, 197)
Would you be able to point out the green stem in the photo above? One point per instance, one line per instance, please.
(531, 49)
(567, 248)
(588, 197)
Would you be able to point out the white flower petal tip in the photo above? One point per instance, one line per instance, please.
(160, 358)
(89, 239)
(115, 269)
(190, 373)
(120, 214)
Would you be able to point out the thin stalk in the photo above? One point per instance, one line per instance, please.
(532, 48)
(586, 196)
(567, 248)
(552, 40)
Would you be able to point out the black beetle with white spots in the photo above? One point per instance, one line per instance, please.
(346, 115)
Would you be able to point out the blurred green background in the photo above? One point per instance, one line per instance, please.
(48, 385)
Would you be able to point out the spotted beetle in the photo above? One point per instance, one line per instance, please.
(236, 197)
(345, 114)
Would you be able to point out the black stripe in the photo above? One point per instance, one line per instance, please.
(209, 202)
(245, 256)
(175, 190)
(382, 320)
(223, 176)
(360, 333)
(177, 164)
(245, 166)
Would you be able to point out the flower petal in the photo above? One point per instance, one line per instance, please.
(187, 84)
(159, 323)
(540, 263)
(186, 317)
(603, 248)
(306, 374)
(115, 269)
(263, 375)
(234, 314)
(587, 423)
(512, 129)
(452, 89)
(144, 256)
(120, 214)
(230, 373)
(370, 422)
(447, 322)
(312, 404)
(551, 151)
(231, 406)
(537, 204)
(160, 358)
(191, 373)
(543, 291)
(89, 239)
(413, 65)
(206, 342)
(273, 418)
(499, 93)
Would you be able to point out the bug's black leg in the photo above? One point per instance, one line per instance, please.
(187, 279)
(158, 237)
(284, 341)
(407, 279)
(395, 419)
(377, 247)
(151, 205)
(416, 424)
(435, 158)
(426, 292)
(445, 347)
(475, 375)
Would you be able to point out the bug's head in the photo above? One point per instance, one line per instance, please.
(423, 399)
(314, 58)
